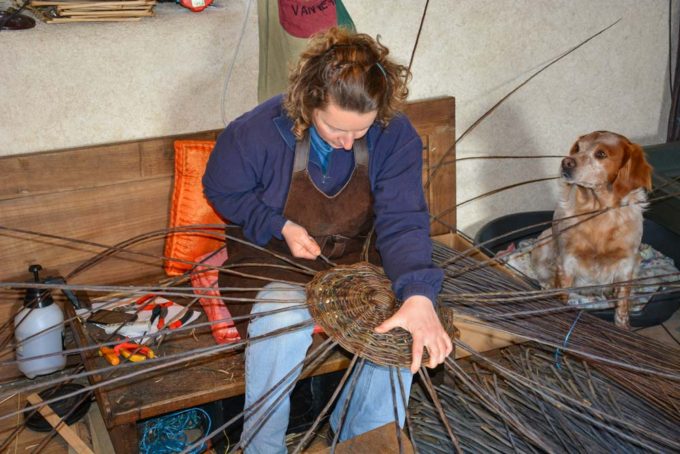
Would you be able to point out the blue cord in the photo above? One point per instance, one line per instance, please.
(167, 434)
(558, 352)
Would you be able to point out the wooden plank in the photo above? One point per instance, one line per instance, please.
(101, 441)
(89, 167)
(125, 439)
(106, 215)
(10, 372)
(104, 15)
(59, 20)
(431, 113)
(435, 122)
(63, 171)
(83, 432)
(64, 429)
(97, 194)
(480, 337)
(382, 440)
(206, 380)
(158, 156)
(442, 178)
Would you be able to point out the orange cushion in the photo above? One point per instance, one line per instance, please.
(189, 206)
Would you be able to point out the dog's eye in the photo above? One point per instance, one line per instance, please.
(599, 154)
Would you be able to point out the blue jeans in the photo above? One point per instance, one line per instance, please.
(270, 359)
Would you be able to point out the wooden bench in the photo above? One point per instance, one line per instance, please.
(106, 194)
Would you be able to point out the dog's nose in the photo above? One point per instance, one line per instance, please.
(568, 163)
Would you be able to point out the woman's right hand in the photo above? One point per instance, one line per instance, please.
(299, 242)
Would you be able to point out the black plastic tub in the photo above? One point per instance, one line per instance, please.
(659, 308)
(665, 159)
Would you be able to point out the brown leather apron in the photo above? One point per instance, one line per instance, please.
(339, 223)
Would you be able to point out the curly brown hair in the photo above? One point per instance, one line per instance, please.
(350, 68)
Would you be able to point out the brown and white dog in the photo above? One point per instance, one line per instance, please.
(604, 171)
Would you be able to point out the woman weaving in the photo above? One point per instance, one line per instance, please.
(309, 173)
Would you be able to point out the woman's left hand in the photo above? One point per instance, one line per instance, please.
(418, 317)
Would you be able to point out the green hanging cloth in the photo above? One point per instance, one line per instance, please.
(344, 19)
(284, 26)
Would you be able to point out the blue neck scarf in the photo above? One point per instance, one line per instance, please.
(320, 147)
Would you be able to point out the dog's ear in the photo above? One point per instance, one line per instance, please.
(635, 171)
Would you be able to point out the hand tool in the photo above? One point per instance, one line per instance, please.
(185, 318)
(159, 311)
(129, 350)
(133, 352)
(110, 355)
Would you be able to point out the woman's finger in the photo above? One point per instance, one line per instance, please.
(416, 355)
(433, 360)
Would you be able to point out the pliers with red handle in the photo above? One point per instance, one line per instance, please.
(159, 311)
(185, 318)
(144, 299)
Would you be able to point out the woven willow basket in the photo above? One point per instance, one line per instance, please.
(349, 301)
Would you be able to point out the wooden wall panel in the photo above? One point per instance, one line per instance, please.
(103, 194)
(435, 122)
(104, 215)
(61, 171)
(65, 170)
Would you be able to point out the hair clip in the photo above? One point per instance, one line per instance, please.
(381, 68)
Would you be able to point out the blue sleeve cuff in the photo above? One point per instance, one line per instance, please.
(418, 288)
(277, 225)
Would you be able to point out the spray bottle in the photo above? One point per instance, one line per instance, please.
(39, 331)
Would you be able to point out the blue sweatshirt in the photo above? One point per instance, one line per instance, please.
(248, 176)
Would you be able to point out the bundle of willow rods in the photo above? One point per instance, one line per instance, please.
(644, 366)
(350, 301)
(574, 409)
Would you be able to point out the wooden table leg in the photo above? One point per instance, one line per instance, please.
(125, 439)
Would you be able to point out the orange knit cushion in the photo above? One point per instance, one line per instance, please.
(189, 206)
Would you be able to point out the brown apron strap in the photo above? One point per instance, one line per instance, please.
(360, 148)
(301, 155)
(361, 152)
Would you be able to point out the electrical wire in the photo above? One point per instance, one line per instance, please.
(168, 434)
(230, 70)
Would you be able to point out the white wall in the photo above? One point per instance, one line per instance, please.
(478, 51)
(67, 85)
(70, 85)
